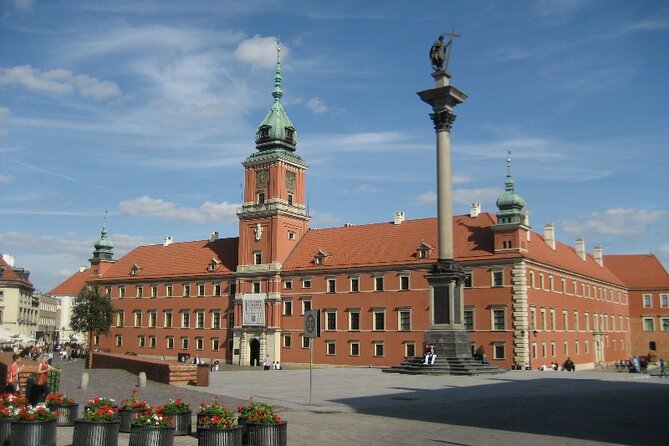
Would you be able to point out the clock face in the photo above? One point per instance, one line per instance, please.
(290, 181)
(262, 178)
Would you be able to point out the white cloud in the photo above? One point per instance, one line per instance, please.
(458, 179)
(466, 196)
(6, 179)
(23, 5)
(63, 245)
(658, 23)
(324, 220)
(156, 207)
(426, 198)
(260, 52)
(59, 81)
(615, 222)
(364, 189)
(316, 105)
(482, 195)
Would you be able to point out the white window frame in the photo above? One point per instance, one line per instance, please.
(645, 322)
(493, 310)
(400, 312)
(497, 345)
(326, 316)
(664, 300)
(356, 288)
(141, 341)
(330, 348)
(350, 348)
(350, 319)
(647, 300)
(375, 312)
(379, 345)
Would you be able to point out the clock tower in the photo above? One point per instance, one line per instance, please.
(272, 220)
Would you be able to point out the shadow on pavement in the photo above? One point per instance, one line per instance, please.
(620, 412)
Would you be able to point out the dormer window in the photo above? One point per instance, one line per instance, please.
(423, 251)
(212, 265)
(134, 269)
(319, 258)
(264, 131)
(290, 134)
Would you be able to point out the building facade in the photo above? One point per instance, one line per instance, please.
(19, 308)
(529, 299)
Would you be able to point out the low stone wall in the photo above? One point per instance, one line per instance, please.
(167, 372)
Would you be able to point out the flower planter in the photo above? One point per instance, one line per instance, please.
(98, 433)
(151, 435)
(33, 433)
(5, 430)
(182, 422)
(219, 437)
(126, 416)
(67, 413)
(267, 434)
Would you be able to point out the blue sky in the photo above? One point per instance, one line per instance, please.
(145, 109)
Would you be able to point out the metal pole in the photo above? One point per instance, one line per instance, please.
(311, 361)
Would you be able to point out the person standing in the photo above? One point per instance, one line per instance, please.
(663, 366)
(267, 362)
(13, 375)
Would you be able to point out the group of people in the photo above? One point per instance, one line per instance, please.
(268, 364)
(636, 364)
(429, 355)
(37, 384)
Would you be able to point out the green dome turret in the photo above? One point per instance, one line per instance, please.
(276, 131)
(104, 248)
(510, 204)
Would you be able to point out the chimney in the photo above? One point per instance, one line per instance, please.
(597, 253)
(399, 217)
(474, 210)
(549, 235)
(167, 241)
(580, 248)
(213, 236)
(526, 222)
(82, 269)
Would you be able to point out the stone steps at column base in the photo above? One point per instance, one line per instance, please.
(445, 366)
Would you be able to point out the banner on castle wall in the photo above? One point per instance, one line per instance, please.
(254, 309)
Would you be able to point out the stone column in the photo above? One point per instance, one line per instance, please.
(446, 280)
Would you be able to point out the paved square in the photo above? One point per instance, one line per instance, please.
(351, 406)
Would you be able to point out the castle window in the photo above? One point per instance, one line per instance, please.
(291, 235)
(256, 287)
(264, 132)
(290, 199)
(497, 278)
(404, 282)
(290, 134)
(257, 258)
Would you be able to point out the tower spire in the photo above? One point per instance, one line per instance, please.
(277, 93)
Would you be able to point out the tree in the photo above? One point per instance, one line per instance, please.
(91, 314)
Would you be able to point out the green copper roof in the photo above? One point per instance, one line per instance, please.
(509, 203)
(103, 247)
(276, 130)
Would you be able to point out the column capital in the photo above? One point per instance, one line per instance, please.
(443, 120)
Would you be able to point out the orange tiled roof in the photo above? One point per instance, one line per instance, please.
(176, 260)
(639, 270)
(73, 284)
(10, 275)
(384, 244)
(565, 257)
